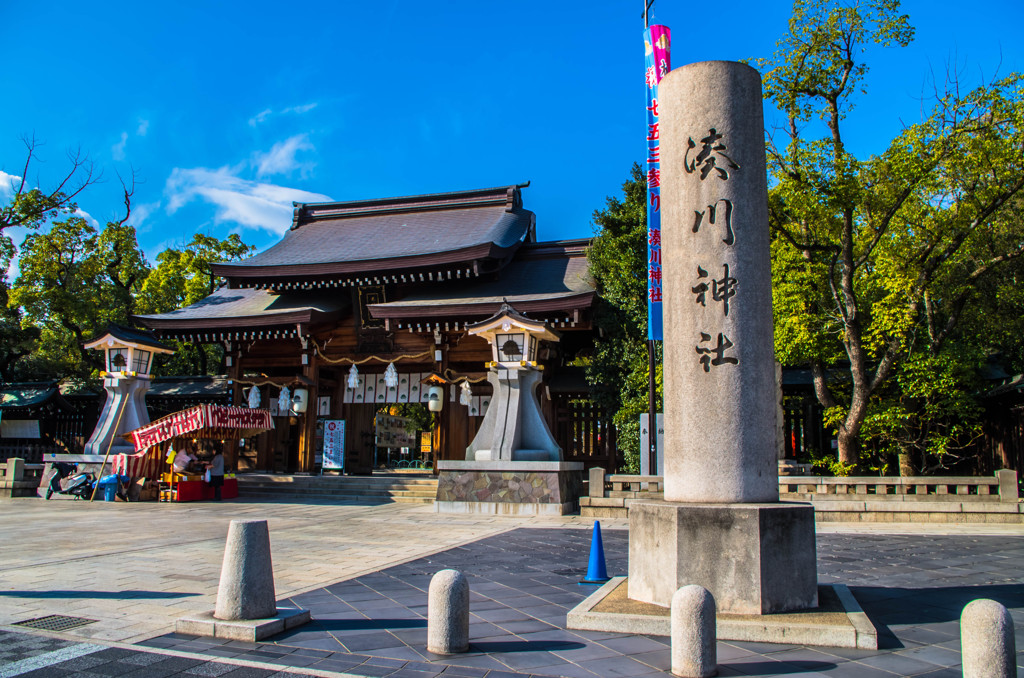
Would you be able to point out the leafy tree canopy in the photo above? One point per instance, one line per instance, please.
(883, 263)
(181, 278)
(74, 280)
(618, 369)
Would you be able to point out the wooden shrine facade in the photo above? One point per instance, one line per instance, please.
(394, 282)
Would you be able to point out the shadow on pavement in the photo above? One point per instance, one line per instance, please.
(499, 646)
(99, 595)
(371, 624)
(778, 668)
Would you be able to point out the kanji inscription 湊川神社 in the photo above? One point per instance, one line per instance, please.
(718, 213)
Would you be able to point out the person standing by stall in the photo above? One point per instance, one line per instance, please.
(216, 469)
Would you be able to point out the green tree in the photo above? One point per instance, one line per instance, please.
(180, 278)
(618, 369)
(876, 262)
(67, 291)
(30, 206)
(74, 282)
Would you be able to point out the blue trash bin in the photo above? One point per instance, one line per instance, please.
(108, 485)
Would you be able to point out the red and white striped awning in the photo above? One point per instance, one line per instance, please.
(202, 421)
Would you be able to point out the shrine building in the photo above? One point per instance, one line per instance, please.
(395, 282)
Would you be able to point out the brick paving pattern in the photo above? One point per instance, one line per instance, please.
(523, 583)
(363, 571)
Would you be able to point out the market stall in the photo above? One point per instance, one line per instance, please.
(188, 431)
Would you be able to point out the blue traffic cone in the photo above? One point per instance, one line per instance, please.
(597, 573)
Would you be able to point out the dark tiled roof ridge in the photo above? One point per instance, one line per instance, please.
(309, 212)
(574, 247)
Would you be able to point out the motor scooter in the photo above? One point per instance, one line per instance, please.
(79, 486)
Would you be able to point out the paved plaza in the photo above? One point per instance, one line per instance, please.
(363, 571)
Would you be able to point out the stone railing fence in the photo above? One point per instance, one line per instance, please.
(1001, 487)
(18, 479)
(931, 498)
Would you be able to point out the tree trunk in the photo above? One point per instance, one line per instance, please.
(849, 447)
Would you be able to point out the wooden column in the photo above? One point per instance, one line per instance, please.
(307, 434)
(233, 372)
(444, 419)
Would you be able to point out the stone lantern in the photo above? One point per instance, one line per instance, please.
(513, 466)
(128, 360)
(514, 428)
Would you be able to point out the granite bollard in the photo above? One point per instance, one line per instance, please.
(987, 645)
(246, 588)
(694, 653)
(448, 613)
(246, 607)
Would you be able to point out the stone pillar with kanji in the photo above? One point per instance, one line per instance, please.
(721, 525)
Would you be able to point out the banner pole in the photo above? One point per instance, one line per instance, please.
(657, 61)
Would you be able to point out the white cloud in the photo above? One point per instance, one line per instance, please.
(141, 213)
(117, 150)
(260, 117)
(297, 110)
(251, 204)
(142, 128)
(281, 158)
(8, 185)
(88, 217)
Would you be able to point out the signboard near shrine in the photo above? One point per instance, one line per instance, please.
(334, 443)
(393, 432)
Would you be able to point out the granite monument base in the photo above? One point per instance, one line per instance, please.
(509, 487)
(248, 630)
(753, 558)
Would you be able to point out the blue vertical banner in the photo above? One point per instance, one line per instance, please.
(656, 46)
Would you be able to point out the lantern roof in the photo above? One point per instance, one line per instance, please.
(508, 318)
(121, 337)
(434, 379)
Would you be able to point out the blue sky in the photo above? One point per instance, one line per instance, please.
(228, 111)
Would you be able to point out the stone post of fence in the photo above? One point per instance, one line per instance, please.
(596, 482)
(15, 469)
(1007, 485)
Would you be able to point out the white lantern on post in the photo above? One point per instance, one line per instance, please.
(436, 385)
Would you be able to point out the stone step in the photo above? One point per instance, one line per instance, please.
(347, 491)
(338, 488)
(355, 482)
(316, 493)
(336, 497)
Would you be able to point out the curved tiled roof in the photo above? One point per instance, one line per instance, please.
(246, 307)
(541, 277)
(391, 234)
